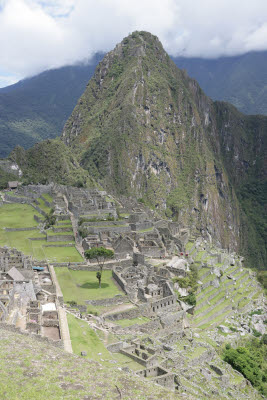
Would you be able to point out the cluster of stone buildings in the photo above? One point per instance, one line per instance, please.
(28, 298)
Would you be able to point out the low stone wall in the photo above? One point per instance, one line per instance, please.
(170, 319)
(63, 217)
(51, 322)
(60, 238)
(121, 282)
(154, 252)
(151, 326)
(38, 238)
(129, 314)
(108, 302)
(33, 228)
(116, 347)
(20, 200)
(62, 229)
(59, 245)
(139, 226)
(40, 211)
(117, 229)
(43, 339)
(134, 357)
(46, 202)
(38, 219)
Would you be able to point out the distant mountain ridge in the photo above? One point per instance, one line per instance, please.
(239, 80)
(37, 108)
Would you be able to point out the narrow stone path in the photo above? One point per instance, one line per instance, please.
(74, 222)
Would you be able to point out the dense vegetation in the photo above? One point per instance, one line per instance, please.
(5, 177)
(50, 161)
(251, 360)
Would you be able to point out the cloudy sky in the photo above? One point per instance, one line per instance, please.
(39, 34)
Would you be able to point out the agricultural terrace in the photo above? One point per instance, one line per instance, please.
(22, 216)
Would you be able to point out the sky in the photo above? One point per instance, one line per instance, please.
(36, 35)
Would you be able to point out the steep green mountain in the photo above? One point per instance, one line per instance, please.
(143, 128)
(37, 108)
(240, 80)
(50, 161)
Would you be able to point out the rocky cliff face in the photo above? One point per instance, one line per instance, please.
(144, 128)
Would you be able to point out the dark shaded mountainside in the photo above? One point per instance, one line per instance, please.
(239, 80)
(37, 108)
(143, 128)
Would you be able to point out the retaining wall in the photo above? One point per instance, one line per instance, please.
(33, 228)
(60, 238)
(43, 339)
(107, 302)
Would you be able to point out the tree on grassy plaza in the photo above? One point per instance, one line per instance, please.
(100, 254)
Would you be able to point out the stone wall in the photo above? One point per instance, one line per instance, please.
(60, 238)
(134, 357)
(119, 299)
(33, 228)
(128, 314)
(43, 339)
(20, 200)
(40, 211)
(38, 219)
(116, 229)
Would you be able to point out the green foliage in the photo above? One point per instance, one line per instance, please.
(189, 282)
(256, 312)
(191, 299)
(232, 329)
(116, 68)
(262, 278)
(83, 232)
(251, 360)
(182, 282)
(100, 254)
(50, 219)
(5, 177)
(50, 161)
(256, 333)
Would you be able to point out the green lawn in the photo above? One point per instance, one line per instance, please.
(41, 204)
(129, 322)
(22, 216)
(84, 338)
(47, 197)
(17, 216)
(83, 285)
(62, 254)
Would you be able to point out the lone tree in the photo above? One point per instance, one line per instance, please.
(100, 254)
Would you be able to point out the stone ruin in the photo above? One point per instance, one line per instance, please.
(28, 298)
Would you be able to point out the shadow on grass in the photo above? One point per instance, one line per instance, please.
(93, 285)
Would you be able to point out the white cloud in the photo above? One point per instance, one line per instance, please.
(40, 34)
